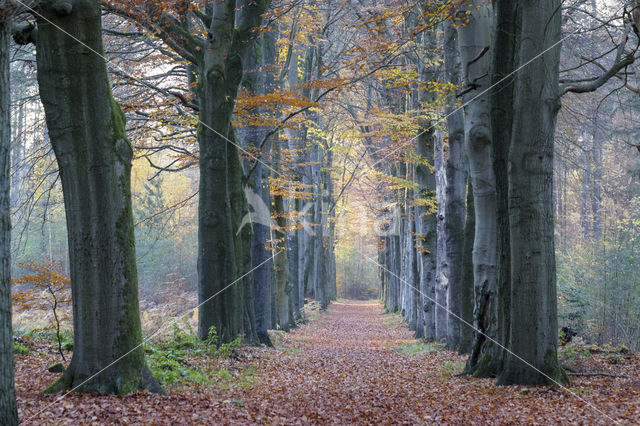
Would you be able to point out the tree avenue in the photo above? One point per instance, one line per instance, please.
(212, 175)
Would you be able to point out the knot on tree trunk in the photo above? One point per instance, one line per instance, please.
(24, 33)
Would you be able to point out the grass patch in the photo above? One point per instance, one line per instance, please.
(449, 367)
(278, 338)
(417, 348)
(226, 380)
(571, 353)
(48, 335)
(393, 320)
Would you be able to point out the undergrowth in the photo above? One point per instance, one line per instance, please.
(171, 361)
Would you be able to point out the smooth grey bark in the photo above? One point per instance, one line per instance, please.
(409, 261)
(425, 213)
(585, 202)
(330, 254)
(534, 333)
(87, 131)
(427, 227)
(220, 73)
(454, 208)
(8, 407)
(442, 282)
(466, 299)
(281, 259)
(252, 136)
(474, 39)
(17, 150)
(243, 288)
(502, 98)
(596, 199)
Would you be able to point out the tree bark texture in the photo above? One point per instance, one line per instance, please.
(220, 74)
(87, 131)
(474, 39)
(534, 333)
(454, 208)
(8, 408)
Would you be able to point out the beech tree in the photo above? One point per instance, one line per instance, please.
(87, 131)
(8, 409)
(460, 292)
(474, 38)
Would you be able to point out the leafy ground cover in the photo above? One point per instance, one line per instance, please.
(352, 364)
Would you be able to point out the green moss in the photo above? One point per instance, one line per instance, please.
(19, 349)
(485, 367)
(554, 369)
(118, 121)
(58, 386)
(450, 367)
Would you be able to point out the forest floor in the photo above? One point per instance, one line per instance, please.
(350, 364)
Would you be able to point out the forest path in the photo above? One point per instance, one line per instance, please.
(355, 364)
(350, 364)
(346, 370)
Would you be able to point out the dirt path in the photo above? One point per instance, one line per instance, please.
(351, 365)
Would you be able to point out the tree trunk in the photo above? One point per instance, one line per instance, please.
(534, 333)
(474, 40)
(466, 306)
(504, 57)
(281, 259)
(409, 257)
(243, 289)
(258, 194)
(220, 73)
(8, 408)
(87, 131)
(426, 216)
(454, 209)
(596, 199)
(442, 282)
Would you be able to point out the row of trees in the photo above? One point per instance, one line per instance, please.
(245, 286)
(310, 123)
(505, 59)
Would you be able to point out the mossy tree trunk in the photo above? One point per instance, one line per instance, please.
(281, 259)
(427, 229)
(466, 305)
(87, 131)
(8, 409)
